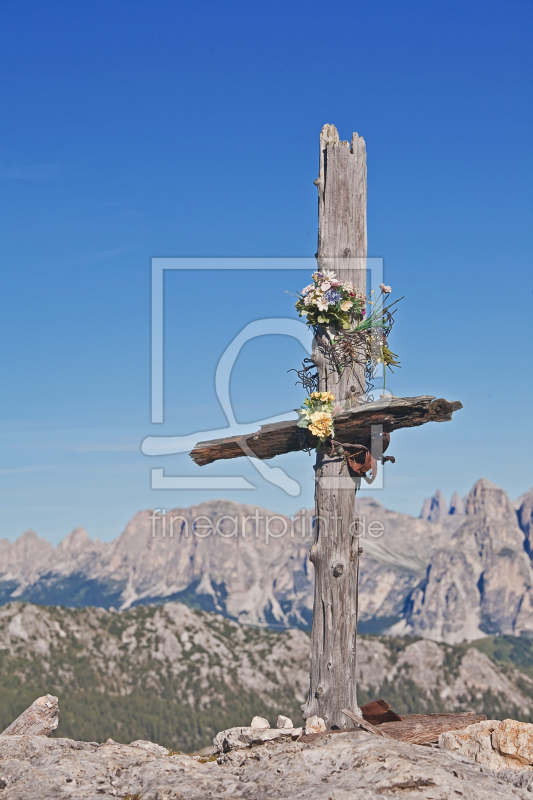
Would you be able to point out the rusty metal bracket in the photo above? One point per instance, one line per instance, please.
(360, 460)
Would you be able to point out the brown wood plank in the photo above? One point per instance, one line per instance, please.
(354, 426)
(415, 728)
(420, 729)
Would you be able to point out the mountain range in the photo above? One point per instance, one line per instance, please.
(453, 574)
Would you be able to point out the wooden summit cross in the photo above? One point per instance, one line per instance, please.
(335, 552)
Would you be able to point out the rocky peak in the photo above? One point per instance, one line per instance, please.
(29, 549)
(457, 504)
(76, 540)
(434, 508)
(479, 582)
(487, 498)
(78, 553)
(29, 539)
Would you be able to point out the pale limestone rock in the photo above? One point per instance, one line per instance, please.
(284, 722)
(514, 740)
(434, 508)
(345, 766)
(259, 723)
(479, 582)
(244, 738)
(488, 499)
(232, 739)
(478, 674)
(499, 745)
(474, 743)
(141, 567)
(422, 660)
(275, 735)
(314, 724)
(150, 747)
(457, 504)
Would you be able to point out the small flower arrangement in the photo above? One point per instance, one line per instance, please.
(346, 335)
(316, 414)
(329, 301)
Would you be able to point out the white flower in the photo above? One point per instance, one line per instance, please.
(385, 289)
(346, 305)
(305, 415)
(307, 289)
(322, 304)
(308, 300)
(325, 286)
(328, 275)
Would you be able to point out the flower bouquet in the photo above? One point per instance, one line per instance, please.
(345, 333)
(329, 301)
(316, 414)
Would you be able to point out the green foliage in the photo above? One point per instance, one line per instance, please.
(511, 650)
(96, 717)
(89, 714)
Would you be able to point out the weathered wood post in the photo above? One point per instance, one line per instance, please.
(335, 552)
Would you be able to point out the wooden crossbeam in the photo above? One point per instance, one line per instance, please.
(354, 427)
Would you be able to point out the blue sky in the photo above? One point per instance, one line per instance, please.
(133, 130)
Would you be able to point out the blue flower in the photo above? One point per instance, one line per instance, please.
(332, 296)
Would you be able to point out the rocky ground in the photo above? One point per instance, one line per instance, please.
(337, 767)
